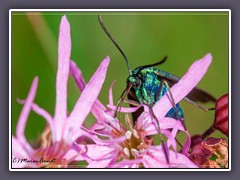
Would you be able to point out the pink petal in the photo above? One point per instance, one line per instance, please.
(76, 73)
(111, 93)
(170, 140)
(124, 109)
(91, 132)
(88, 96)
(104, 161)
(96, 152)
(96, 126)
(155, 159)
(165, 123)
(151, 162)
(184, 86)
(101, 164)
(97, 156)
(18, 153)
(108, 142)
(64, 51)
(187, 144)
(97, 110)
(22, 120)
(97, 107)
(40, 111)
(146, 122)
(74, 155)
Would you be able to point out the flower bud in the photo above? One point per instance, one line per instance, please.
(221, 115)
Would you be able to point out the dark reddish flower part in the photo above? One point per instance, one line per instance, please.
(209, 153)
(221, 115)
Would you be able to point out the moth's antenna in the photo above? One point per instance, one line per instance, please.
(114, 42)
(151, 65)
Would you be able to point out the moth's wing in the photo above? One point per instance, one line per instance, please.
(196, 95)
(199, 95)
(136, 114)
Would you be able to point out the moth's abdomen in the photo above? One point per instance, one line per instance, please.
(152, 93)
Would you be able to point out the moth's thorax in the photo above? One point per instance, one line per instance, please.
(151, 88)
(146, 84)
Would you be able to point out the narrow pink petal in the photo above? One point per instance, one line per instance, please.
(111, 93)
(187, 144)
(91, 132)
(97, 107)
(96, 152)
(64, 51)
(174, 132)
(74, 155)
(94, 127)
(76, 73)
(40, 111)
(170, 140)
(22, 120)
(110, 122)
(88, 96)
(165, 123)
(168, 123)
(184, 86)
(97, 110)
(171, 137)
(125, 109)
(105, 133)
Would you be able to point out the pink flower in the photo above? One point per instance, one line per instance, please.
(59, 138)
(119, 146)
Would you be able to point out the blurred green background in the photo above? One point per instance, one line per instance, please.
(144, 37)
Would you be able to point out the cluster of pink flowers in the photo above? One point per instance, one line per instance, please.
(110, 143)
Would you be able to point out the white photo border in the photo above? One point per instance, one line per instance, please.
(119, 10)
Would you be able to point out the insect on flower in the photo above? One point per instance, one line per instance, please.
(147, 84)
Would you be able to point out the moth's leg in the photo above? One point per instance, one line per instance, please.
(132, 97)
(122, 98)
(134, 103)
(132, 94)
(159, 132)
(173, 103)
(198, 105)
(159, 91)
(119, 103)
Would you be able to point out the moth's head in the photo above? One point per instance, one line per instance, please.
(135, 80)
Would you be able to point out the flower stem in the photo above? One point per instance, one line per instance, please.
(209, 131)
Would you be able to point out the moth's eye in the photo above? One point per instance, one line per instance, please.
(137, 82)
